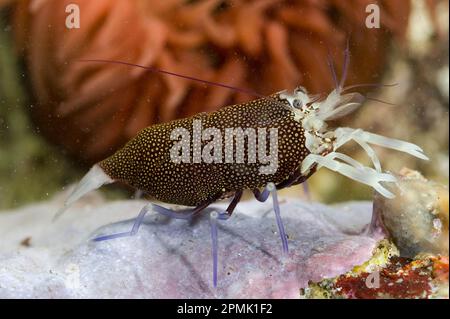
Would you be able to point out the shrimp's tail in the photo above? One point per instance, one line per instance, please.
(94, 179)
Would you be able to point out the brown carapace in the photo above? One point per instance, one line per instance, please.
(145, 163)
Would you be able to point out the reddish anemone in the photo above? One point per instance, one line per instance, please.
(267, 45)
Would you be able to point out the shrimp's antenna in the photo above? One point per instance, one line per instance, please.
(365, 85)
(346, 64)
(332, 70)
(187, 77)
(380, 101)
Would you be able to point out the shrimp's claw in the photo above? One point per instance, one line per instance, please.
(345, 134)
(351, 169)
(94, 179)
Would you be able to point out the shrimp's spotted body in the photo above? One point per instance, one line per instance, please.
(145, 162)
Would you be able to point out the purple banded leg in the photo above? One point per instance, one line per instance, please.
(134, 229)
(262, 197)
(188, 214)
(213, 218)
(233, 204)
(185, 214)
(180, 214)
(214, 241)
(276, 207)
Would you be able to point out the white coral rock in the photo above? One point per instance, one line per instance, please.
(172, 258)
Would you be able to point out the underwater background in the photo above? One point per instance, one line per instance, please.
(58, 115)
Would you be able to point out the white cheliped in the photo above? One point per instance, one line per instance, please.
(313, 115)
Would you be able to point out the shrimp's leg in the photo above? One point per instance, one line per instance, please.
(180, 214)
(184, 214)
(134, 229)
(262, 197)
(233, 204)
(290, 181)
(213, 218)
(189, 213)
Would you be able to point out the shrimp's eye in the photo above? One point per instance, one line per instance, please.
(298, 104)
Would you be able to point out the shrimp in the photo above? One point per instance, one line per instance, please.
(198, 160)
